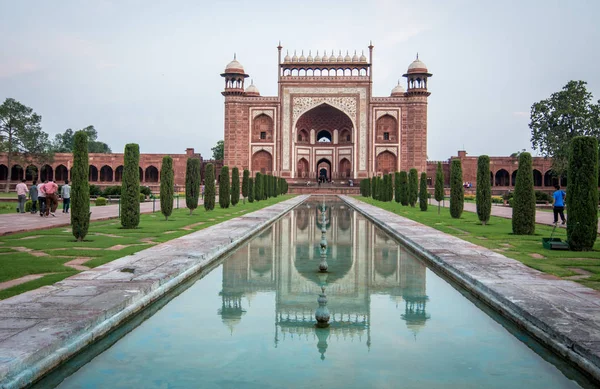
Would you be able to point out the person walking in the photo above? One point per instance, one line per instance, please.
(22, 195)
(65, 193)
(33, 196)
(42, 198)
(559, 204)
(51, 199)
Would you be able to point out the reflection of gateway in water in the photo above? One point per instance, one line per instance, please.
(362, 259)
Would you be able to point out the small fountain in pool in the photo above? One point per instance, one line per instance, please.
(322, 313)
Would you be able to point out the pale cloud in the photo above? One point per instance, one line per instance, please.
(521, 114)
(13, 67)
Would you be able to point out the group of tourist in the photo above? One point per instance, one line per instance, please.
(44, 196)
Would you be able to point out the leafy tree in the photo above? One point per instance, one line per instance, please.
(560, 118)
(224, 192)
(258, 190)
(245, 179)
(130, 190)
(457, 194)
(219, 151)
(423, 194)
(523, 210)
(582, 195)
(483, 195)
(192, 183)
(235, 186)
(167, 186)
(63, 143)
(80, 189)
(413, 186)
(21, 136)
(397, 186)
(250, 189)
(209, 187)
(439, 185)
(403, 188)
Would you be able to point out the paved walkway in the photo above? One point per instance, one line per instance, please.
(19, 222)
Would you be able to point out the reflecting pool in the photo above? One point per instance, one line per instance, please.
(250, 322)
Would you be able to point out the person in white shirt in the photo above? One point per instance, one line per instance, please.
(22, 192)
(65, 193)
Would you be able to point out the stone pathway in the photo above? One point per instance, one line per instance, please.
(19, 222)
(42, 328)
(562, 314)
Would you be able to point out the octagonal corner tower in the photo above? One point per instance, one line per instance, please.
(324, 122)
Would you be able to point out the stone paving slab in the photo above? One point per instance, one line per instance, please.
(563, 315)
(42, 328)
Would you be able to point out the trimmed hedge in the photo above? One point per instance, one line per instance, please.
(582, 194)
(192, 183)
(209, 187)
(397, 187)
(484, 190)
(523, 204)
(250, 189)
(235, 186)
(166, 186)
(100, 201)
(439, 185)
(403, 188)
(413, 186)
(423, 194)
(130, 190)
(457, 201)
(258, 189)
(246, 177)
(224, 192)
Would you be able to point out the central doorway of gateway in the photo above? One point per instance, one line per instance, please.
(323, 170)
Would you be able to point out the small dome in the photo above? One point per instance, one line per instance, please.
(355, 57)
(398, 90)
(347, 57)
(287, 57)
(295, 57)
(362, 57)
(318, 57)
(234, 66)
(310, 57)
(302, 57)
(417, 66)
(340, 58)
(332, 57)
(252, 90)
(325, 57)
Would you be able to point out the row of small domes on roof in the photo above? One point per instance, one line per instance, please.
(325, 58)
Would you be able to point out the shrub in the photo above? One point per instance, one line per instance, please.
(582, 194)
(523, 207)
(390, 187)
(470, 197)
(192, 183)
(166, 186)
(245, 179)
(28, 205)
(413, 186)
(112, 191)
(209, 187)
(384, 191)
(80, 191)
(439, 185)
(142, 197)
(235, 186)
(403, 188)
(456, 189)
(497, 200)
(543, 197)
(100, 201)
(250, 189)
(484, 189)
(224, 191)
(130, 190)
(375, 188)
(145, 190)
(258, 190)
(95, 190)
(423, 194)
(276, 186)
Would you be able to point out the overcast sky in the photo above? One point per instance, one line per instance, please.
(148, 71)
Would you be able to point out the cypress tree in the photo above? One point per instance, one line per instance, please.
(209, 187)
(258, 187)
(457, 194)
(265, 186)
(367, 187)
(413, 186)
(192, 183)
(235, 186)
(384, 188)
(276, 186)
(375, 188)
(130, 190)
(373, 184)
(483, 196)
(80, 191)
(397, 186)
(245, 179)
(403, 188)
(390, 188)
(439, 185)
(224, 192)
(166, 186)
(423, 195)
(523, 210)
(582, 195)
(250, 189)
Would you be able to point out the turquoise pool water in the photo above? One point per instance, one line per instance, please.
(249, 323)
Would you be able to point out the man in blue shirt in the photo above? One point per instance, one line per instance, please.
(559, 204)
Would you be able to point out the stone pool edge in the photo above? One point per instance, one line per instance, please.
(497, 293)
(29, 366)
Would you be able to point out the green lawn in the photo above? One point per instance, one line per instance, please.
(497, 235)
(46, 251)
